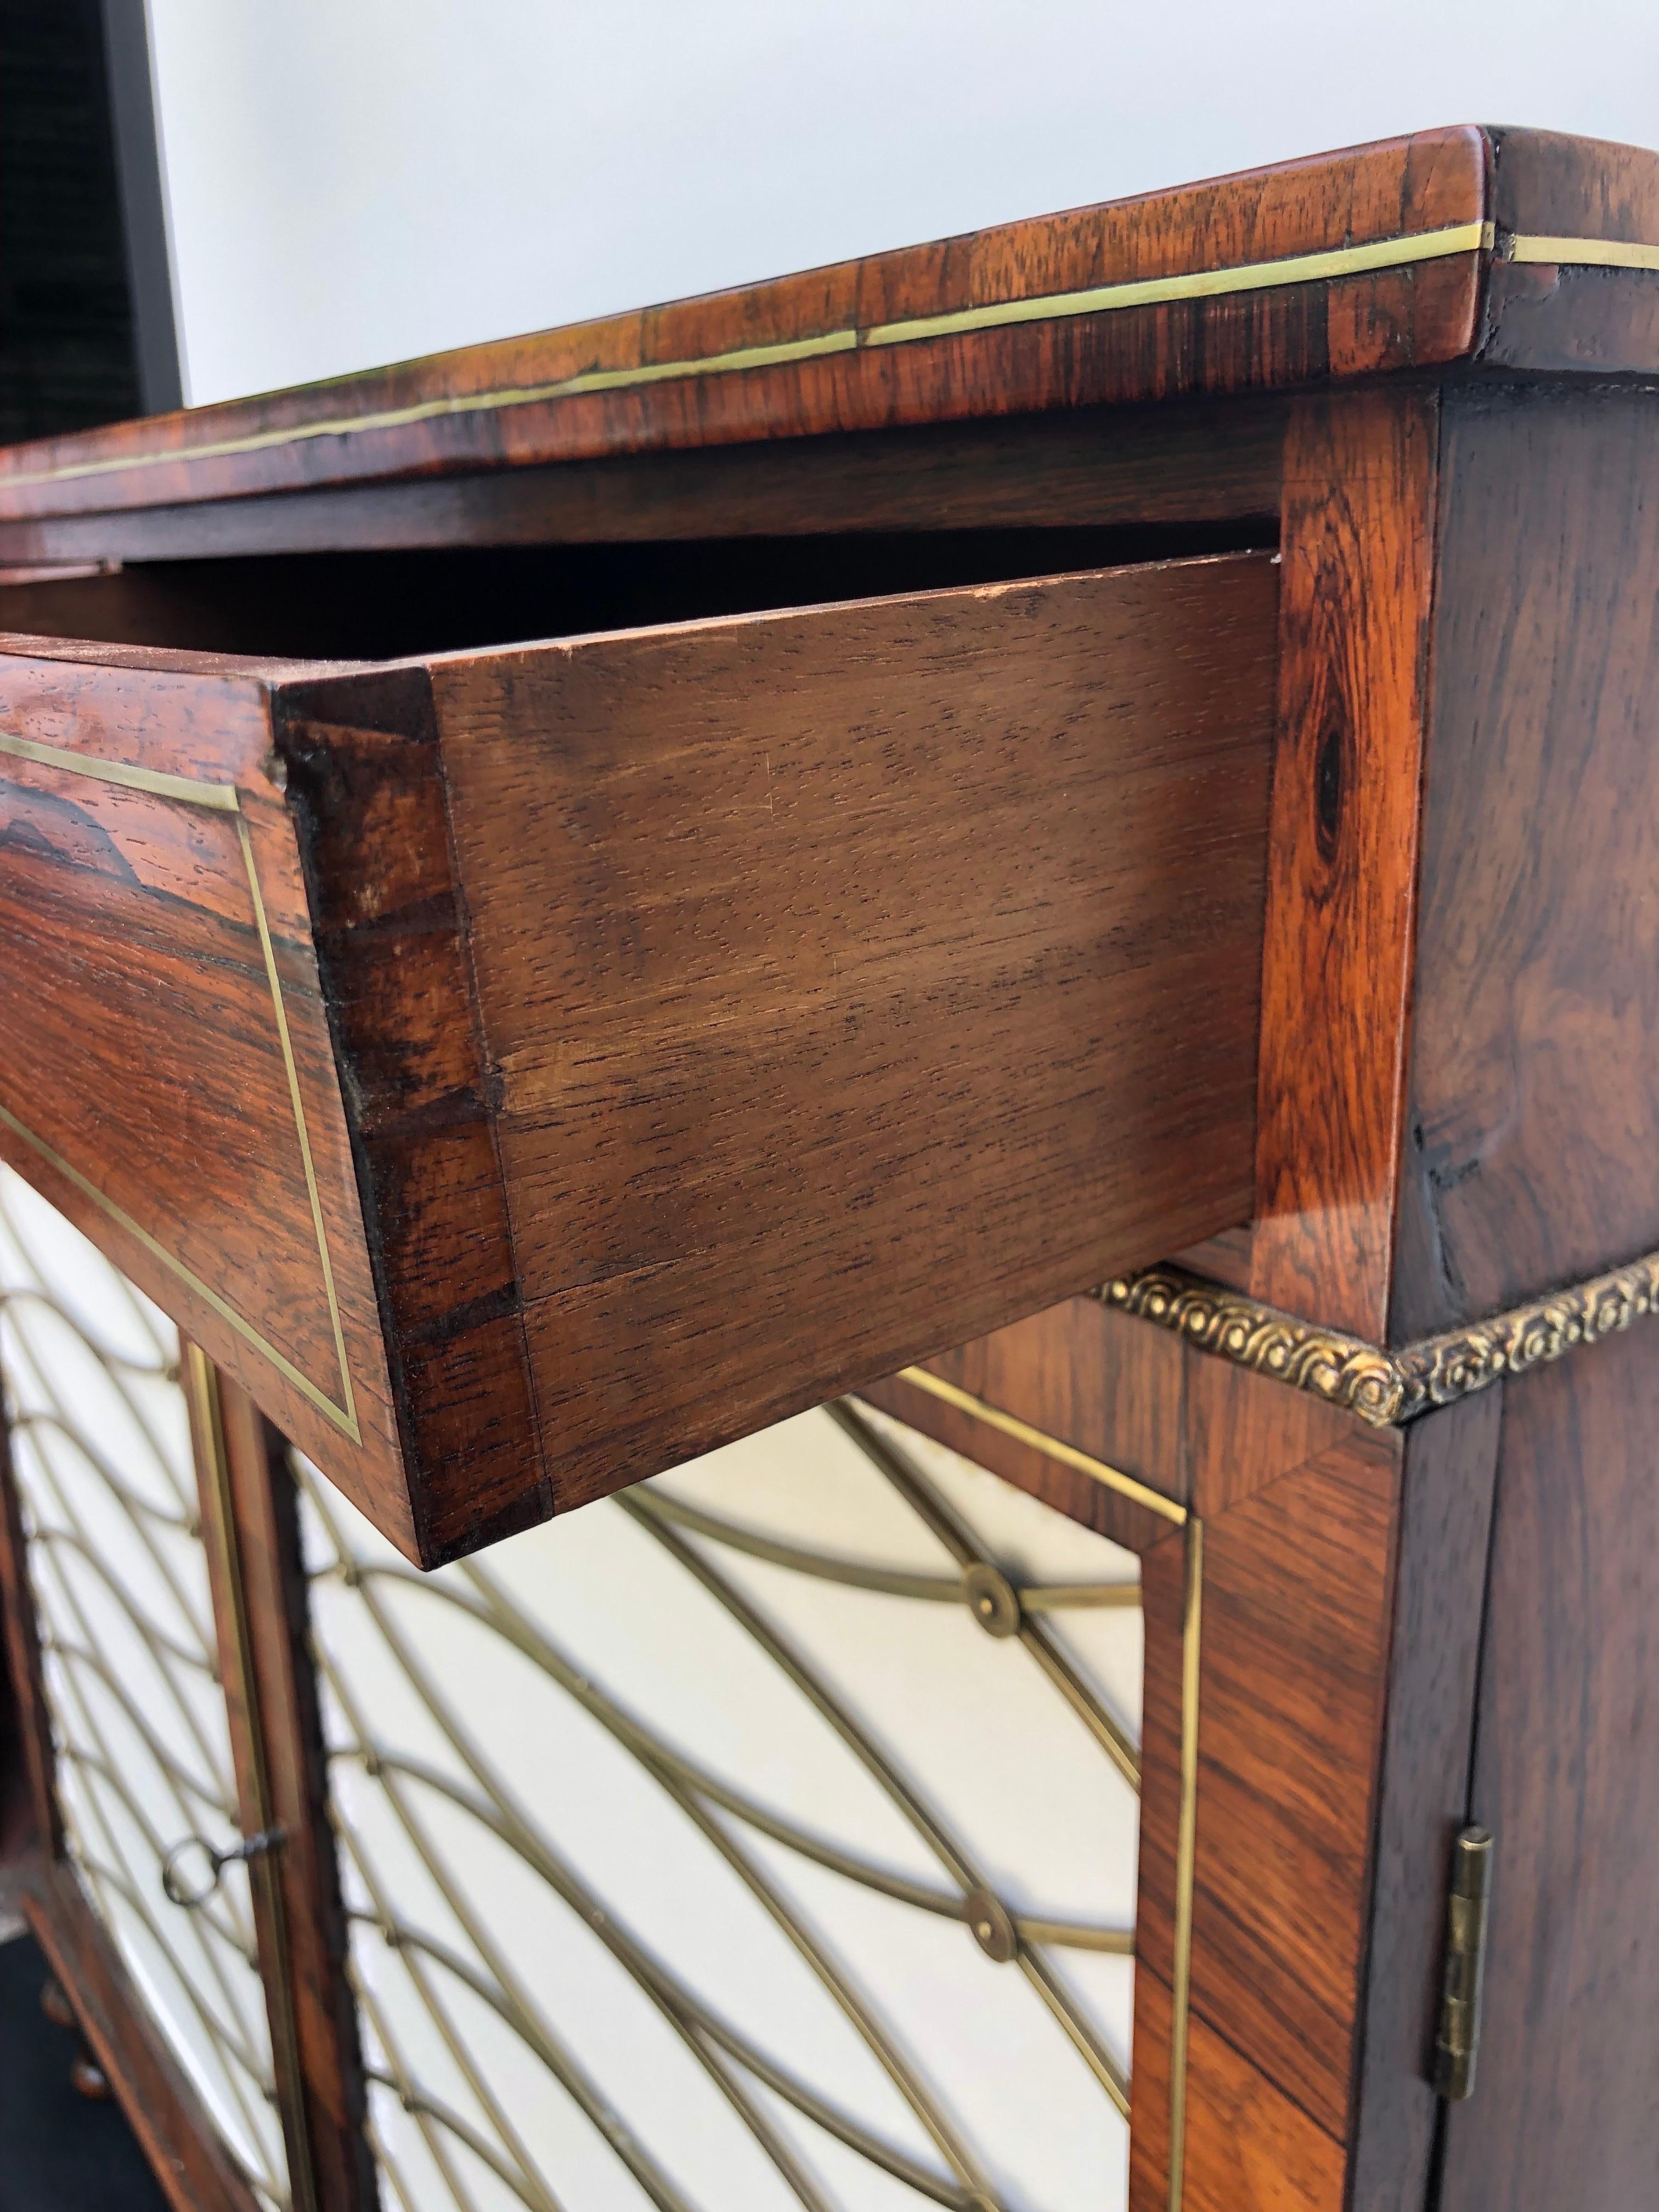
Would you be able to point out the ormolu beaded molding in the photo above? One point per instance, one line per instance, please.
(1385, 1388)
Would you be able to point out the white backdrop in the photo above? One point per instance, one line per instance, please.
(356, 181)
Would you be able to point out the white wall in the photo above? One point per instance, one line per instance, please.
(356, 181)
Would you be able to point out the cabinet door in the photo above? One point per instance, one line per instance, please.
(764, 1837)
(524, 1071)
(1565, 2103)
(140, 1743)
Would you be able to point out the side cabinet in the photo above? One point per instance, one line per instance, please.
(830, 1247)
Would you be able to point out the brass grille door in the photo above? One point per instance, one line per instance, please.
(763, 1836)
(101, 1453)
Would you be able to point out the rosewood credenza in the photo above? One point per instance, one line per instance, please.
(827, 1222)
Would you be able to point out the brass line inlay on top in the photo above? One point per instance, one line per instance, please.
(1387, 1388)
(1580, 253)
(1186, 1855)
(220, 798)
(1323, 267)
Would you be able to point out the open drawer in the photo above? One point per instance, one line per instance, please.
(524, 1069)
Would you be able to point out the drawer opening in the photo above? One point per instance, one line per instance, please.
(373, 606)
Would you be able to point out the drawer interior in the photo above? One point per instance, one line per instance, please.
(386, 605)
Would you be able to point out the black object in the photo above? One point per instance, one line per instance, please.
(87, 331)
(59, 2150)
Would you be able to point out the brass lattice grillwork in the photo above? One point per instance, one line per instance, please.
(470, 2025)
(107, 1484)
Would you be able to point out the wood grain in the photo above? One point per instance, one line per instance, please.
(1083, 1374)
(1567, 1776)
(1358, 552)
(147, 1094)
(1445, 1528)
(1092, 1378)
(1240, 1437)
(365, 780)
(277, 1753)
(1249, 2148)
(1300, 1507)
(1285, 335)
(1532, 1116)
(163, 2111)
(1027, 1465)
(1297, 1598)
(37, 1819)
(829, 1026)
(1564, 321)
(654, 974)
(1179, 465)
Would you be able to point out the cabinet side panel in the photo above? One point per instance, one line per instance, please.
(1533, 1116)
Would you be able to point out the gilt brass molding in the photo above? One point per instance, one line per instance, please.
(1385, 1388)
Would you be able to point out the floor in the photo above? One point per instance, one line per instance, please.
(59, 2152)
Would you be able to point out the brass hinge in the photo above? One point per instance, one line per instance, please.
(1457, 2039)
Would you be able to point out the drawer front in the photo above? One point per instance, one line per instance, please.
(168, 1078)
(601, 1049)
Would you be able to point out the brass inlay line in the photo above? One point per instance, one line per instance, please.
(348, 1413)
(1067, 1455)
(219, 1528)
(1386, 1387)
(1186, 1856)
(192, 1281)
(191, 790)
(1196, 284)
(1191, 1639)
(1581, 253)
(219, 798)
(1323, 267)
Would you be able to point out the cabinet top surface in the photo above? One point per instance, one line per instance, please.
(1512, 249)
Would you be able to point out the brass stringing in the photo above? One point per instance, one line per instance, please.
(1325, 266)
(216, 798)
(1388, 1387)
